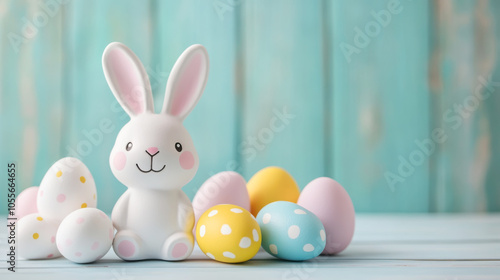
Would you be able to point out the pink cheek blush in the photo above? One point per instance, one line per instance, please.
(186, 160)
(119, 160)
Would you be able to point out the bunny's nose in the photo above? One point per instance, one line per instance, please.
(152, 150)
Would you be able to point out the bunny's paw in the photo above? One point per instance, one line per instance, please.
(178, 247)
(127, 245)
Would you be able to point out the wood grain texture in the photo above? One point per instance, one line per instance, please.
(439, 247)
(283, 88)
(32, 108)
(89, 27)
(492, 181)
(213, 123)
(355, 117)
(462, 61)
(380, 103)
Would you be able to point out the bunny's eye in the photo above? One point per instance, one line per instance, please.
(178, 147)
(129, 146)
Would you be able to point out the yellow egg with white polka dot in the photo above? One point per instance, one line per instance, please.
(228, 233)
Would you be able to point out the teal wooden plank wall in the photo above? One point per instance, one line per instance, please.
(383, 96)
(380, 103)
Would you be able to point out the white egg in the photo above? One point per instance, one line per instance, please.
(66, 187)
(85, 235)
(36, 237)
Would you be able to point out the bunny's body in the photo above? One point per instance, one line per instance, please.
(154, 156)
(176, 218)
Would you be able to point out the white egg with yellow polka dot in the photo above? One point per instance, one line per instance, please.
(85, 235)
(66, 187)
(36, 237)
(228, 233)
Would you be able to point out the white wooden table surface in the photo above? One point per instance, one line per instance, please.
(396, 246)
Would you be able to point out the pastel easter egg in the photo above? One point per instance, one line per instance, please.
(269, 185)
(228, 233)
(85, 235)
(26, 202)
(226, 187)
(36, 237)
(66, 187)
(291, 232)
(328, 200)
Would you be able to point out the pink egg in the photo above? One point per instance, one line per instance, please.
(226, 187)
(26, 202)
(328, 200)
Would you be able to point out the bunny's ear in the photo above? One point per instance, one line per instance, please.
(186, 82)
(127, 79)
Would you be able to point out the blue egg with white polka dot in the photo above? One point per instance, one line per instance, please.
(291, 232)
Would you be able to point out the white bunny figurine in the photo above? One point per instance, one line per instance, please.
(154, 155)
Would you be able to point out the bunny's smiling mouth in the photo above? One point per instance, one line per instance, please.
(151, 167)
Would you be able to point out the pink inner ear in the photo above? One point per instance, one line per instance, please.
(127, 80)
(187, 86)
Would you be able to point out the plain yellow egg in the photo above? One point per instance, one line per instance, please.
(228, 233)
(269, 185)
